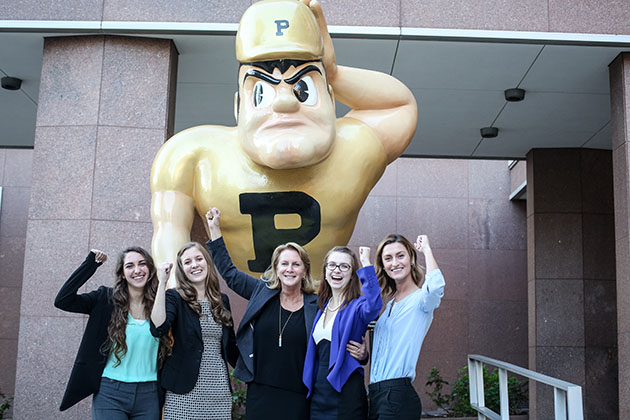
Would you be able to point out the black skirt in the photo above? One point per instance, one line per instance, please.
(326, 402)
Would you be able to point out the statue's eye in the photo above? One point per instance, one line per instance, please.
(305, 91)
(263, 94)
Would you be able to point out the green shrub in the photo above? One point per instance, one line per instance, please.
(5, 404)
(436, 381)
(457, 403)
(239, 397)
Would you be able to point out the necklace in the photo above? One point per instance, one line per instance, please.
(329, 309)
(281, 330)
(136, 311)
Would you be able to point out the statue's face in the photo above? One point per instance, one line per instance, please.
(286, 120)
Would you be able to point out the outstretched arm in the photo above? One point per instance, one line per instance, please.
(67, 299)
(434, 280)
(423, 246)
(377, 99)
(369, 308)
(213, 218)
(158, 313)
(241, 283)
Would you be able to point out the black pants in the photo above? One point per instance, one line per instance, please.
(394, 399)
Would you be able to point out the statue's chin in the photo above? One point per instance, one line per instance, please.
(292, 154)
(289, 148)
(288, 160)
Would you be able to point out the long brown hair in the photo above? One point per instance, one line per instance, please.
(351, 290)
(271, 275)
(117, 328)
(187, 290)
(388, 285)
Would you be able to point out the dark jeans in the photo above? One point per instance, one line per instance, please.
(394, 399)
(123, 401)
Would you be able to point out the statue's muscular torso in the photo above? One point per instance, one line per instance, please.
(207, 164)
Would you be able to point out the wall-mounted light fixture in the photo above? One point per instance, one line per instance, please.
(489, 132)
(11, 83)
(514, 95)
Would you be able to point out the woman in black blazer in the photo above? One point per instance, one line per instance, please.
(273, 333)
(195, 375)
(117, 361)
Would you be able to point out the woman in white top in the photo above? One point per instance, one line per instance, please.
(331, 372)
(401, 328)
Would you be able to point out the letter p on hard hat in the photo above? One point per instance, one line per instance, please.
(277, 30)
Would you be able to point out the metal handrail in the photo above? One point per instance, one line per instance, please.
(567, 396)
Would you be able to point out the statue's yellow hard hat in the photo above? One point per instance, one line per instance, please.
(278, 29)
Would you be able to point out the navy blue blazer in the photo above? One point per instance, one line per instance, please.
(258, 294)
(181, 368)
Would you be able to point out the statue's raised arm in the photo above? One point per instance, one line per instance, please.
(377, 99)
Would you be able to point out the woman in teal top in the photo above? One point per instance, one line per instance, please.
(118, 357)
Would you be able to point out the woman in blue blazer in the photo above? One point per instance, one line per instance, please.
(333, 376)
(195, 376)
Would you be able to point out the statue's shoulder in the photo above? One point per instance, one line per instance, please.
(353, 133)
(351, 129)
(188, 146)
(180, 156)
(197, 140)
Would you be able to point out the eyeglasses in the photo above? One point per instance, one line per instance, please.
(343, 266)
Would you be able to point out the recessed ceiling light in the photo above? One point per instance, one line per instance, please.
(514, 95)
(11, 83)
(489, 132)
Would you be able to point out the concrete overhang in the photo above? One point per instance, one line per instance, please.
(457, 76)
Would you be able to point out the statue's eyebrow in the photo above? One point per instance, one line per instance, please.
(297, 76)
(262, 76)
(291, 80)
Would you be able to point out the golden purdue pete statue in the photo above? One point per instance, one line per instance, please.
(289, 170)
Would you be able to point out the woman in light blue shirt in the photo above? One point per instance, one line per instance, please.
(402, 326)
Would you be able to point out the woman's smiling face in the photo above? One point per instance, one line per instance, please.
(194, 264)
(396, 261)
(290, 269)
(337, 278)
(136, 270)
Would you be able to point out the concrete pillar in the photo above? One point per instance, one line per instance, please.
(571, 277)
(105, 107)
(620, 117)
(15, 179)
